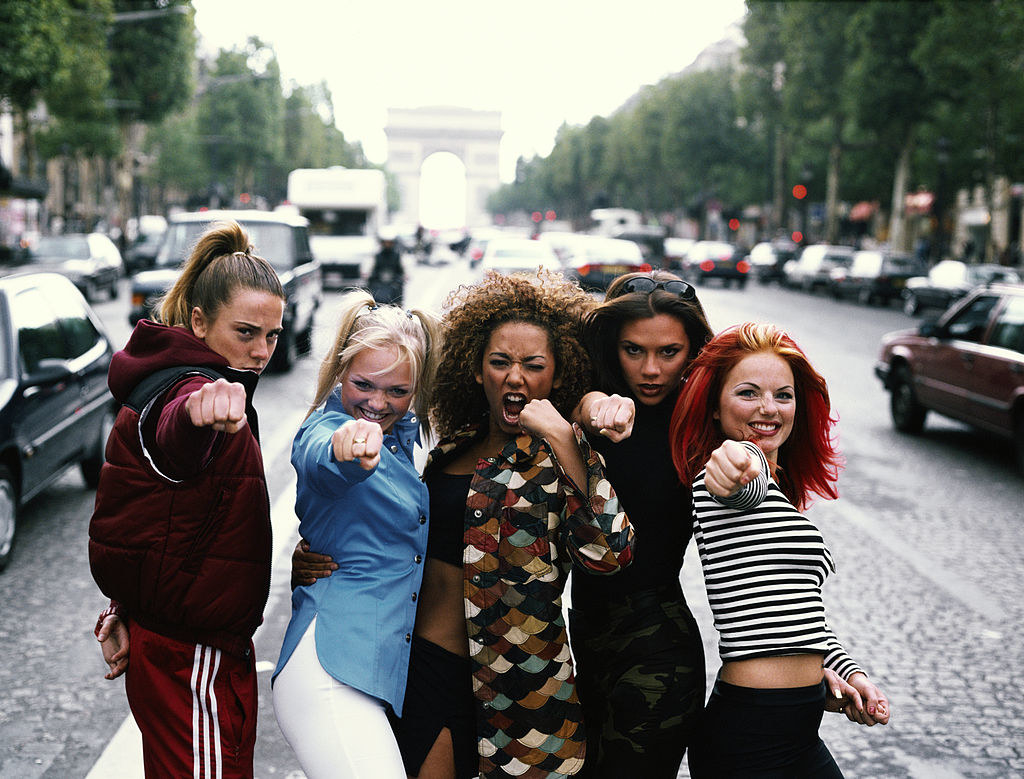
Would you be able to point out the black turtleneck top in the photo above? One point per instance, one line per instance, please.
(659, 507)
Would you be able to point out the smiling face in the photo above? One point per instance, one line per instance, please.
(518, 366)
(652, 354)
(246, 329)
(758, 402)
(376, 388)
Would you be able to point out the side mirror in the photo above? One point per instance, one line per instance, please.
(48, 371)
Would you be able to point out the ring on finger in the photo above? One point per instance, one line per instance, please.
(359, 440)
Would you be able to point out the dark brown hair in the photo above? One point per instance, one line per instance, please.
(602, 326)
(221, 262)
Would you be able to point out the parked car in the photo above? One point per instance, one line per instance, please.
(280, 236)
(950, 280)
(812, 269)
(55, 408)
(650, 239)
(968, 365)
(675, 252)
(875, 276)
(768, 258)
(716, 260)
(518, 255)
(562, 242)
(594, 262)
(90, 260)
(141, 255)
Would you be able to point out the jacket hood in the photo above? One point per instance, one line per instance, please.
(153, 347)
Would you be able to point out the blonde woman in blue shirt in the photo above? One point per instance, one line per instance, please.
(359, 498)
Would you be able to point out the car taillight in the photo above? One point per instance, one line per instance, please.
(707, 265)
(583, 270)
(645, 267)
(477, 254)
(743, 266)
(138, 299)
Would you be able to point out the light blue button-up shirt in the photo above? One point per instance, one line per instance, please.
(374, 525)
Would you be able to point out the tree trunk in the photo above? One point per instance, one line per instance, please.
(897, 220)
(835, 154)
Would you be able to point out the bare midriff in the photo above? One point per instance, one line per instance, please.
(769, 673)
(440, 614)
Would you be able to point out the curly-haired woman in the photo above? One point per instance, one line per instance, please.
(517, 499)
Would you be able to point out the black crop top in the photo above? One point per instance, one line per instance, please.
(448, 493)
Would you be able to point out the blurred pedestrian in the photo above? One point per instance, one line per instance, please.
(387, 278)
(180, 537)
(755, 410)
(359, 498)
(639, 655)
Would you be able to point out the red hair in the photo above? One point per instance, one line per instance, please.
(808, 461)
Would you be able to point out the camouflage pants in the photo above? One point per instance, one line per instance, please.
(640, 679)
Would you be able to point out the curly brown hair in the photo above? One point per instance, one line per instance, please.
(472, 312)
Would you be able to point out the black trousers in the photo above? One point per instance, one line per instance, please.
(640, 678)
(768, 734)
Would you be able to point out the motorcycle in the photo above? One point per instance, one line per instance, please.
(387, 287)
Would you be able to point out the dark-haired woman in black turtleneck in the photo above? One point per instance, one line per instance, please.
(640, 660)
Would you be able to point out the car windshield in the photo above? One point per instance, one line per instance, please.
(65, 247)
(988, 275)
(273, 241)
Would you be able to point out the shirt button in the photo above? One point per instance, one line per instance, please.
(414, 597)
(393, 448)
(412, 419)
(418, 558)
(408, 638)
(423, 519)
(476, 578)
(478, 513)
(487, 704)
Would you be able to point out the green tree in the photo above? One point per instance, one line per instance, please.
(241, 119)
(32, 32)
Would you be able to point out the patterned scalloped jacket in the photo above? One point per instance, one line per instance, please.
(526, 524)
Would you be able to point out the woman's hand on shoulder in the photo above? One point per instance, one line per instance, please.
(358, 439)
(731, 467)
(611, 416)
(219, 404)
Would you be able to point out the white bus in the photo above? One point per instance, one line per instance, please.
(346, 208)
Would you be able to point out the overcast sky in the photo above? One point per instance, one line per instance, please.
(539, 63)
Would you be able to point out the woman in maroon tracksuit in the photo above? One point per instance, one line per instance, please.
(180, 537)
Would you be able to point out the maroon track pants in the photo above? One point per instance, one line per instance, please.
(195, 705)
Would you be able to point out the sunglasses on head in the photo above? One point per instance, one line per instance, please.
(648, 285)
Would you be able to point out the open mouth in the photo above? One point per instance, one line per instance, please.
(512, 406)
(373, 416)
(764, 428)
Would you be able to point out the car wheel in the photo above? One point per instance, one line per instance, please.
(91, 292)
(304, 344)
(910, 304)
(864, 297)
(1018, 439)
(8, 515)
(92, 463)
(287, 351)
(907, 413)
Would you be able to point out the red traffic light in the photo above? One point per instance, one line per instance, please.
(244, 198)
(799, 191)
(549, 215)
(734, 224)
(536, 216)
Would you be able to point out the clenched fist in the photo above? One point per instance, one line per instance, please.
(358, 439)
(220, 405)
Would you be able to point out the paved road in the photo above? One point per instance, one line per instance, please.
(926, 535)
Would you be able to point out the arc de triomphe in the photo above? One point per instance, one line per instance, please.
(473, 136)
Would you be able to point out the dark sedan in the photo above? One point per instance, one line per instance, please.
(281, 238)
(950, 280)
(969, 365)
(55, 408)
(90, 260)
(717, 260)
(874, 276)
(595, 261)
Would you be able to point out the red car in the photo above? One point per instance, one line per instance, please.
(968, 365)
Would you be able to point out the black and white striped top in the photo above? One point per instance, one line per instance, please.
(764, 564)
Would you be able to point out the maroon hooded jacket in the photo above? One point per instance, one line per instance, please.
(180, 535)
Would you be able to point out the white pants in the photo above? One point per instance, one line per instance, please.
(335, 730)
